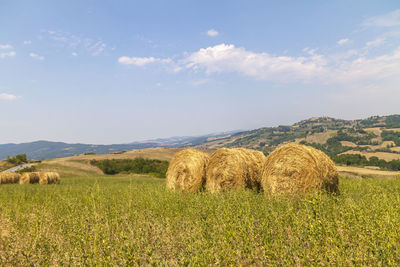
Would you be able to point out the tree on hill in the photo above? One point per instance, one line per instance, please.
(18, 159)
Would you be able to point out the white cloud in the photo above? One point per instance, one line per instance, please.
(59, 38)
(199, 82)
(6, 46)
(141, 61)
(362, 69)
(352, 67)
(36, 56)
(7, 54)
(228, 58)
(374, 64)
(212, 33)
(74, 42)
(8, 97)
(74, 54)
(388, 20)
(97, 48)
(356, 68)
(375, 43)
(27, 42)
(343, 41)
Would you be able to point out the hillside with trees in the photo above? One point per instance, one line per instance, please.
(374, 141)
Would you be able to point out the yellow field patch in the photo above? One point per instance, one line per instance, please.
(150, 153)
(385, 144)
(381, 155)
(393, 129)
(318, 138)
(347, 143)
(377, 131)
(366, 172)
(82, 162)
(4, 165)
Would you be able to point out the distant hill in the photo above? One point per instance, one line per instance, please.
(377, 136)
(46, 150)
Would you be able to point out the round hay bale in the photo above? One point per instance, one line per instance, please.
(9, 178)
(29, 178)
(294, 168)
(186, 171)
(49, 178)
(43, 179)
(231, 168)
(54, 178)
(16, 177)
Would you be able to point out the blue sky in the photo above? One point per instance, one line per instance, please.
(119, 71)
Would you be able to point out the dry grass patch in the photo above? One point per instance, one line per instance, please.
(151, 153)
(82, 162)
(74, 164)
(396, 149)
(320, 138)
(350, 171)
(384, 144)
(5, 165)
(393, 129)
(377, 131)
(348, 143)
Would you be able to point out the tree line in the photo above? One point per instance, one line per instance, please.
(360, 160)
(153, 167)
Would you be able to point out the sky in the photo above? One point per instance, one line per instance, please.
(106, 72)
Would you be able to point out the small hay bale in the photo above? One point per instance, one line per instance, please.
(234, 168)
(187, 171)
(9, 178)
(293, 168)
(49, 178)
(29, 178)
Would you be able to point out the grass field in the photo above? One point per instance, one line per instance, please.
(91, 219)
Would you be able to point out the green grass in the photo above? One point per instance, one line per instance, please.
(134, 221)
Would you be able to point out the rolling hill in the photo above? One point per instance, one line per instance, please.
(46, 150)
(377, 136)
(334, 136)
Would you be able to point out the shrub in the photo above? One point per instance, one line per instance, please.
(359, 160)
(18, 159)
(154, 167)
(29, 169)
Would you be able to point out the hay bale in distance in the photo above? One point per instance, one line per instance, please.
(29, 178)
(186, 171)
(294, 168)
(231, 168)
(9, 178)
(49, 178)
